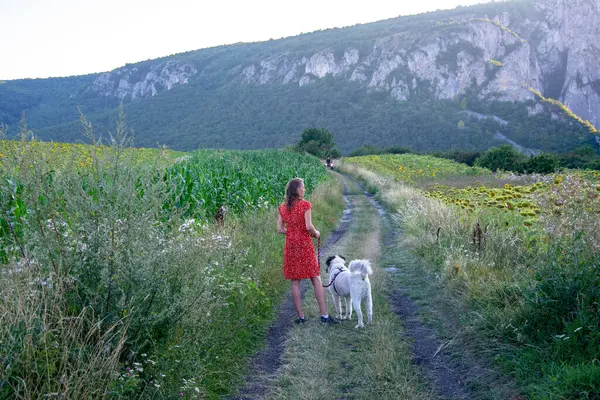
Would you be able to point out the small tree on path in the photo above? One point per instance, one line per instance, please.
(318, 142)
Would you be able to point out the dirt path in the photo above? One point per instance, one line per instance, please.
(265, 364)
(441, 371)
(395, 357)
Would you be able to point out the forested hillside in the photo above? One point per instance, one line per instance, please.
(453, 79)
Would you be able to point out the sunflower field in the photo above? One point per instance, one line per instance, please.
(412, 168)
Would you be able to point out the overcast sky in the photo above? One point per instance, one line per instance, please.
(43, 38)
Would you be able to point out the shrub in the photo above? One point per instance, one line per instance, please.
(543, 163)
(504, 158)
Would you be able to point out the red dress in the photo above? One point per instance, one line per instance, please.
(299, 258)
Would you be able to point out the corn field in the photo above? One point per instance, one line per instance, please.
(238, 180)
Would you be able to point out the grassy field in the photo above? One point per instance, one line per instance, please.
(115, 281)
(518, 265)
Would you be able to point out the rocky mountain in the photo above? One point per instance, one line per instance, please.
(132, 82)
(366, 83)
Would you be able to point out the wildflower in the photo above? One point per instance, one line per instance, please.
(186, 225)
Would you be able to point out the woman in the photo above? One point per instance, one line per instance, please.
(299, 260)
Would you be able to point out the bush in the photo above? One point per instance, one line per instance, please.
(504, 158)
(396, 150)
(543, 163)
(584, 157)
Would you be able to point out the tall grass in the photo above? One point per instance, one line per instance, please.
(106, 290)
(530, 293)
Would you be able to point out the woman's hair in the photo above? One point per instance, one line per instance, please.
(291, 191)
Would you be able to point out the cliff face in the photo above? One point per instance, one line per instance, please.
(569, 52)
(131, 82)
(555, 50)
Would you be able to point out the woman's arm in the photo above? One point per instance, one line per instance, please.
(309, 226)
(280, 225)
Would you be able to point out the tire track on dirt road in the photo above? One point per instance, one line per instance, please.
(439, 369)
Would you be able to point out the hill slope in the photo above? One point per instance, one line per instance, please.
(406, 81)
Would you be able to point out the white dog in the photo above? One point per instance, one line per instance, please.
(352, 284)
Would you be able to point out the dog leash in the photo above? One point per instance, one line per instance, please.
(319, 252)
(319, 262)
(333, 281)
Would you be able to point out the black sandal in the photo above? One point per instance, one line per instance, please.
(329, 320)
(300, 320)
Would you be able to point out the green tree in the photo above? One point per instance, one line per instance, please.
(318, 142)
(582, 157)
(543, 163)
(504, 157)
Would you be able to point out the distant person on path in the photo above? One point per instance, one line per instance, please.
(299, 259)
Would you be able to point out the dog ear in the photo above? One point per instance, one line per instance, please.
(342, 257)
(329, 260)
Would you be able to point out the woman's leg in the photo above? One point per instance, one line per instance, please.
(297, 298)
(319, 294)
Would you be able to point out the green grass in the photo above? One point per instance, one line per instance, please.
(525, 300)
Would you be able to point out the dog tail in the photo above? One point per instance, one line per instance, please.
(362, 267)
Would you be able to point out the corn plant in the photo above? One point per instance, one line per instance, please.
(238, 180)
